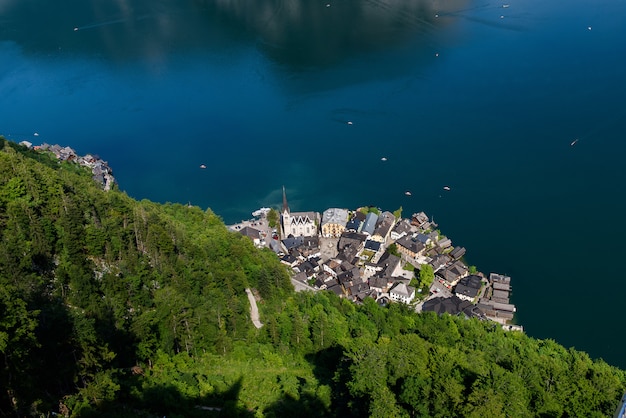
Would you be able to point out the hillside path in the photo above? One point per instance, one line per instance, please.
(254, 311)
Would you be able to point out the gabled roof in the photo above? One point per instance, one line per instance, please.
(440, 260)
(389, 263)
(453, 306)
(292, 242)
(410, 244)
(472, 281)
(370, 223)
(337, 289)
(384, 224)
(454, 272)
(358, 288)
(348, 238)
(403, 290)
(457, 252)
(402, 227)
(378, 282)
(469, 286)
(464, 290)
(302, 218)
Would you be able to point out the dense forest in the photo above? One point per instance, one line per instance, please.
(115, 307)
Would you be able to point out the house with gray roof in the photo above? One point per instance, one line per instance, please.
(385, 222)
(454, 273)
(453, 306)
(388, 263)
(380, 284)
(410, 247)
(293, 242)
(439, 261)
(468, 288)
(457, 252)
(349, 254)
(401, 229)
(334, 222)
(444, 243)
(370, 223)
(337, 289)
(351, 238)
(252, 233)
(402, 293)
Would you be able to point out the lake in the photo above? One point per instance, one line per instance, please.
(484, 97)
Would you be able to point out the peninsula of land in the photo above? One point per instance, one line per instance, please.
(370, 253)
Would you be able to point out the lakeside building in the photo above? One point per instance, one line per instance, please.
(334, 221)
(385, 222)
(369, 224)
(298, 223)
(468, 288)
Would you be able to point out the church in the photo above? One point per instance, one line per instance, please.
(298, 224)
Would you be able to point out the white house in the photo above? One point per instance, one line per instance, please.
(402, 293)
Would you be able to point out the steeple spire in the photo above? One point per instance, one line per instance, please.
(285, 206)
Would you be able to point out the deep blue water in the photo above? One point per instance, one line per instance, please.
(450, 92)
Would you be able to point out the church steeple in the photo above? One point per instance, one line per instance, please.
(285, 206)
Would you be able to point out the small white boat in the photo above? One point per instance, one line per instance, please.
(383, 159)
(506, 6)
(75, 29)
(36, 134)
(203, 166)
(349, 122)
(573, 142)
(447, 188)
(407, 193)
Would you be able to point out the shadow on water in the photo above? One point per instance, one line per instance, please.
(299, 34)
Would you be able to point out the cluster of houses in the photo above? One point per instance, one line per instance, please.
(372, 253)
(100, 169)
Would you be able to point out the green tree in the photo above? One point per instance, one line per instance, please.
(426, 276)
(272, 218)
(393, 250)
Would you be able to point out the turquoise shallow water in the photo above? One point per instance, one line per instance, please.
(449, 92)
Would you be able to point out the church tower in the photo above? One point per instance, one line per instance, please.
(285, 206)
(284, 217)
(297, 224)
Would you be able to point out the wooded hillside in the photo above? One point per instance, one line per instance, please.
(115, 307)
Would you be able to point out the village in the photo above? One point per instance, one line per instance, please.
(369, 253)
(101, 172)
